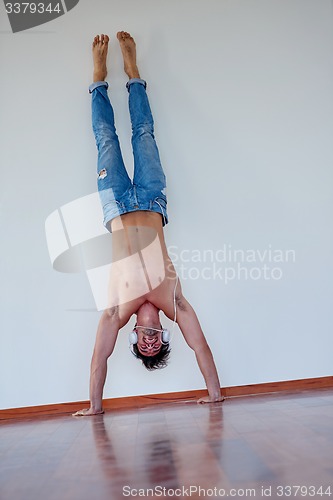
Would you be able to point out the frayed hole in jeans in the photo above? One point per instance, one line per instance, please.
(102, 174)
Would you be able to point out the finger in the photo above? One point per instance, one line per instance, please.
(79, 413)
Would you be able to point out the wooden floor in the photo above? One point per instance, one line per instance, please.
(252, 442)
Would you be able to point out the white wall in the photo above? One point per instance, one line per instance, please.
(241, 91)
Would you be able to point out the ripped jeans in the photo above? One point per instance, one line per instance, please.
(118, 194)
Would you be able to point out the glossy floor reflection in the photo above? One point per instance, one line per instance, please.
(244, 443)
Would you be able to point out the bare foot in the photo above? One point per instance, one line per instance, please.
(100, 51)
(87, 412)
(128, 49)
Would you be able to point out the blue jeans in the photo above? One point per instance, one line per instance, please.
(118, 194)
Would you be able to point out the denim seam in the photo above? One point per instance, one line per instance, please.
(136, 80)
(95, 85)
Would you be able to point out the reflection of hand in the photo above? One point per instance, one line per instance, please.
(208, 399)
(88, 412)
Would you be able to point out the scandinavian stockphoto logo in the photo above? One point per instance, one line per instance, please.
(25, 15)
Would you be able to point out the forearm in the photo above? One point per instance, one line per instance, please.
(105, 340)
(98, 372)
(208, 369)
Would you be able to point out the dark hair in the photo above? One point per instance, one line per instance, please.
(160, 360)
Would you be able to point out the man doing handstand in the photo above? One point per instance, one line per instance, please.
(143, 280)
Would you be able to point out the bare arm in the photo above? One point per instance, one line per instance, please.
(194, 336)
(106, 337)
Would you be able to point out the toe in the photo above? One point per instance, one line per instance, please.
(106, 39)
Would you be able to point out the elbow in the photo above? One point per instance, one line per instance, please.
(202, 349)
(98, 361)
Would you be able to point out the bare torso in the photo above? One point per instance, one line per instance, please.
(141, 267)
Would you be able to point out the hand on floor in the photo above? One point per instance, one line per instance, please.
(88, 412)
(207, 399)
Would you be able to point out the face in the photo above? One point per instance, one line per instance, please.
(149, 330)
(149, 341)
